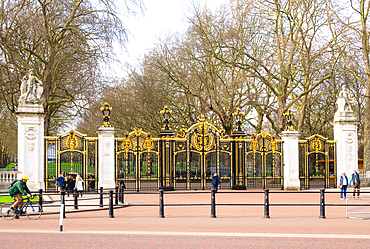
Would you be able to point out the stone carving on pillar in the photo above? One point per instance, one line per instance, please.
(345, 103)
(31, 89)
(30, 132)
(349, 100)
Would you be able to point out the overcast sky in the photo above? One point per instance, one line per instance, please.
(160, 18)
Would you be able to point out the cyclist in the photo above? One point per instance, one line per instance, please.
(16, 191)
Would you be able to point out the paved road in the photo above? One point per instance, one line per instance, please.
(191, 226)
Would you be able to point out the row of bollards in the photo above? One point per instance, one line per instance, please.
(119, 196)
(266, 204)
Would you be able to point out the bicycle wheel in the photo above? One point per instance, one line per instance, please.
(5, 211)
(33, 211)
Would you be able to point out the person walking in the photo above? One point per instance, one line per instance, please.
(79, 184)
(60, 182)
(215, 181)
(343, 183)
(70, 184)
(121, 178)
(355, 178)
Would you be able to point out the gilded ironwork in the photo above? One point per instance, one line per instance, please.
(317, 162)
(264, 160)
(70, 153)
(71, 142)
(137, 156)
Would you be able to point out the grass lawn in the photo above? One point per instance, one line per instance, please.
(4, 199)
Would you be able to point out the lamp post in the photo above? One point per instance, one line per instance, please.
(166, 115)
(238, 116)
(289, 116)
(106, 109)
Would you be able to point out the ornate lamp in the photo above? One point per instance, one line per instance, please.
(166, 115)
(106, 109)
(289, 116)
(238, 120)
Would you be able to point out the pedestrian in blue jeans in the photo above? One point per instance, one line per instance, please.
(343, 183)
(215, 181)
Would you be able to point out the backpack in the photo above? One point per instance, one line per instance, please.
(11, 185)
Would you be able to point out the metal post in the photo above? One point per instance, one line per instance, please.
(267, 212)
(161, 204)
(213, 203)
(101, 197)
(61, 217)
(75, 199)
(63, 201)
(322, 203)
(116, 196)
(40, 198)
(122, 195)
(111, 204)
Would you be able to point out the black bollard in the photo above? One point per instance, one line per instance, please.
(116, 196)
(75, 199)
(40, 198)
(122, 195)
(111, 204)
(267, 212)
(161, 204)
(101, 197)
(213, 203)
(322, 203)
(63, 201)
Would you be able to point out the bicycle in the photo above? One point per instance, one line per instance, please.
(33, 210)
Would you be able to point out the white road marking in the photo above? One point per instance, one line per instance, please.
(214, 234)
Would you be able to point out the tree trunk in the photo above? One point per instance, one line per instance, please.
(367, 131)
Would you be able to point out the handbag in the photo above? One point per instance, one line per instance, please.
(340, 186)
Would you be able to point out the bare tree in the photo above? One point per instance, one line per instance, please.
(349, 29)
(64, 47)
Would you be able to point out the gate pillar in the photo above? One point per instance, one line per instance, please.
(345, 133)
(165, 161)
(166, 151)
(31, 144)
(291, 159)
(106, 157)
(238, 161)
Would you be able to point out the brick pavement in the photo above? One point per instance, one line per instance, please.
(288, 226)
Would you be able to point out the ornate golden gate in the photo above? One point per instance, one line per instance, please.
(317, 162)
(137, 157)
(71, 153)
(264, 164)
(197, 153)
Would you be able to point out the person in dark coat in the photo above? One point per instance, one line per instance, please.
(121, 181)
(355, 178)
(70, 184)
(215, 181)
